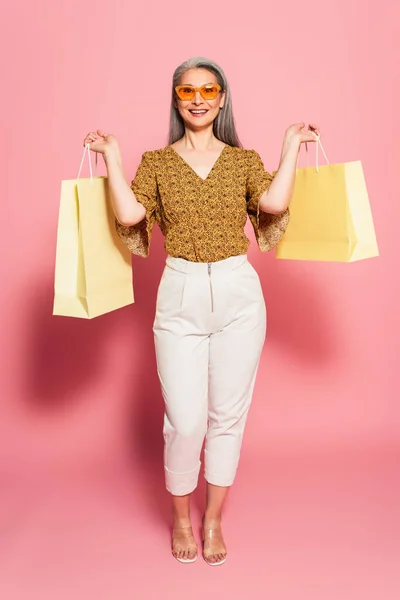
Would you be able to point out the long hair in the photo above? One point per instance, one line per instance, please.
(224, 124)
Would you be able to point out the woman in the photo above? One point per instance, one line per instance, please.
(210, 321)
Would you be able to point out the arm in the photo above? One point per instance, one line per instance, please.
(276, 199)
(127, 209)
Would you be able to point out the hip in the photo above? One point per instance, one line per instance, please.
(210, 294)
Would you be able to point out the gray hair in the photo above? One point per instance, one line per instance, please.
(224, 124)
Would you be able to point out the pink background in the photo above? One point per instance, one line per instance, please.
(83, 513)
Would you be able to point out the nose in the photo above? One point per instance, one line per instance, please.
(197, 98)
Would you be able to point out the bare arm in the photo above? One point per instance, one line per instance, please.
(277, 198)
(126, 208)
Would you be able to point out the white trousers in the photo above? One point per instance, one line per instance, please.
(209, 331)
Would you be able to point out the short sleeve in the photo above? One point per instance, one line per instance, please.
(268, 228)
(144, 186)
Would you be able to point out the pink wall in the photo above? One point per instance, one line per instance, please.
(78, 390)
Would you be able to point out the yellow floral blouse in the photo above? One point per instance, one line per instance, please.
(202, 220)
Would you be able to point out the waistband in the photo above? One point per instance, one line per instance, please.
(187, 266)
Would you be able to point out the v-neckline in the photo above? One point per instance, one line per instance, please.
(191, 168)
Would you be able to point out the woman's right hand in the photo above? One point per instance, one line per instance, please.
(101, 142)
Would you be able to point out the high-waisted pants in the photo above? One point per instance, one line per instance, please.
(209, 331)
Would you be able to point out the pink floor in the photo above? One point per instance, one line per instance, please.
(312, 526)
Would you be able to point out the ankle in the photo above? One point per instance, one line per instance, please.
(211, 518)
(181, 521)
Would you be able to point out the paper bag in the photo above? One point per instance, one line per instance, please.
(330, 215)
(93, 273)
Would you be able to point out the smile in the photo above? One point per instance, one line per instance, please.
(198, 113)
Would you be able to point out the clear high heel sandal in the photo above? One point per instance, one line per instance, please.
(212, 534)
(184, 534)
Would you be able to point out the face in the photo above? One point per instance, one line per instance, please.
(199, 113)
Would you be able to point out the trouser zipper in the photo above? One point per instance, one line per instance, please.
(211, 291)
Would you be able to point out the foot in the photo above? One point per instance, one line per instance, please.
(214, 549)
(184, 547)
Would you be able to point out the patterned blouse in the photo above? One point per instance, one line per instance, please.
(202, 220)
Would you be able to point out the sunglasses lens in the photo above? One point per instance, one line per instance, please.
(210, 92)
(185, 92)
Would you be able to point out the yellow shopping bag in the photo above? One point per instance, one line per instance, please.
(93, 273)
(330, 215)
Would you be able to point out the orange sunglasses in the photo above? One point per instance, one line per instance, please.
(188, 92)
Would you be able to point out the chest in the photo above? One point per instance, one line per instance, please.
(209, 187)
(201, 163)
(183, 195)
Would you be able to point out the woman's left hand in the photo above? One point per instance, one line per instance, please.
(299, 134)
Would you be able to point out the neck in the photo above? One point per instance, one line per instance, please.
(199, 140)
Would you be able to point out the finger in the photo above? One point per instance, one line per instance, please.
(312, 137)
(315, 129)
(296, 127)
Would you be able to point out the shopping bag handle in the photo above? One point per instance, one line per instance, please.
(87, 149)
(317, 146)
